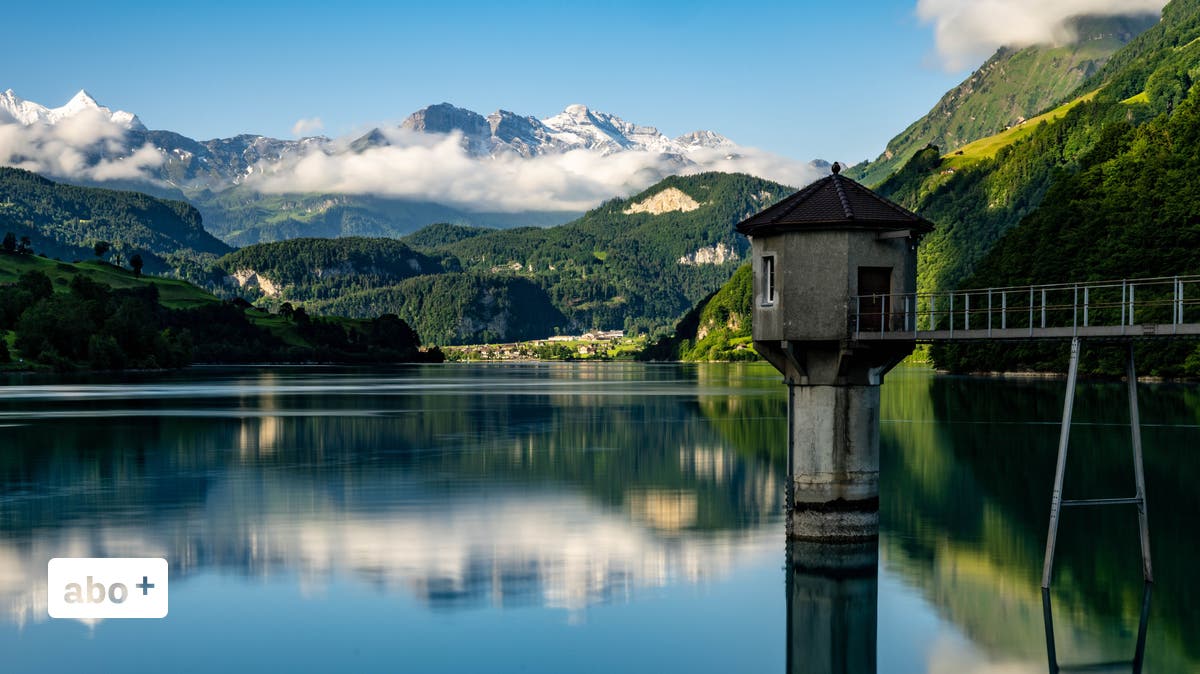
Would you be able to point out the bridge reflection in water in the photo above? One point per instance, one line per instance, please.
(1139, 653)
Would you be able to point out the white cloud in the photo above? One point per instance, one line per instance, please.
(136, 166)
(426, 167)
(86, 145)
(968, 31)
(438, 168)
(307, 126)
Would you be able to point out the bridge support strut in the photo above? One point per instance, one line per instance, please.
(1139, 498)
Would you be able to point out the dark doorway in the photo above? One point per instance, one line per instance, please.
(874, 286)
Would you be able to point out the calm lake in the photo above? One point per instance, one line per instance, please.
(581, 517)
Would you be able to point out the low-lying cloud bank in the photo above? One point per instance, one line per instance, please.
(436, 167)
(968, 31)
(85, 146)
(90, 147)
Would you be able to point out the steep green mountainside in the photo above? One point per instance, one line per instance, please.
(315, 269)
(1104, 188)
(1010, 87)
(1132, 210)
(975, 200)
(93, 315)
(242, 217)
(67, 221)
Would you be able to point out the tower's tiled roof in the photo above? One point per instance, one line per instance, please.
(834, 202)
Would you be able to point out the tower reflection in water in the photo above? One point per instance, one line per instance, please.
(832, 607)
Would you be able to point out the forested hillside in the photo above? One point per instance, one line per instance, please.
(635, 264)
(67, 221)
(1132, 210)
(976, 197)
(1106, 189)
(459, 308)
(302, 270)
(717, 329)
(1010, 87)
(93, 315)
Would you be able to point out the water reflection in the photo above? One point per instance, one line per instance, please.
(1139, 652)
(540, 491)
(967, 466)
(832, 607)
(489, 496)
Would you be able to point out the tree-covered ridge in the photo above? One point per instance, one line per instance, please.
(441, 234)
(1012, 85)
(615, 268)
(1132, 210)
(459, 308)
(1130, 70)
(67, 221)
(312, 269)
(94, 315)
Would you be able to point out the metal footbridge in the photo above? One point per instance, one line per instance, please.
(1128, 310)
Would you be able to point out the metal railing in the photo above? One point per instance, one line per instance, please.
(1128, 307)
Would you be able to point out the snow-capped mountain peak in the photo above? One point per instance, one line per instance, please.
(708, 139)
(578, 126)
(13, 108)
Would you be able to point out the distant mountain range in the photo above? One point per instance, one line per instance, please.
(441, 164)
(221, 163)
(575, 128)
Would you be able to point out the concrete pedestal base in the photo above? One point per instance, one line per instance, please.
(833, 455)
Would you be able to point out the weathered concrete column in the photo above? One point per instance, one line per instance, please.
(834, 462)
(832, 607)
(833, 435)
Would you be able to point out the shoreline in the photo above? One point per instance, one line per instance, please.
(980, 374)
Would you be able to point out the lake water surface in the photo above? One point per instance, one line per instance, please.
(580, 517)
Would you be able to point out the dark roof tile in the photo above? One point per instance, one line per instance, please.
(834, 202)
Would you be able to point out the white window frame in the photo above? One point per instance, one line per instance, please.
(769, 288)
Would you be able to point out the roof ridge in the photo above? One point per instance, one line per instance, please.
(787, 204)
(884, 200)
(837, 184)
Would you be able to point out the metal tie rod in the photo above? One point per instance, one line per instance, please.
(1102, 501)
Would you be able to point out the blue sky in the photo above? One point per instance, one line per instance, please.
(803, 79)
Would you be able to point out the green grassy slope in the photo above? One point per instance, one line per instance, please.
(172, 293)
(1010, 86)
